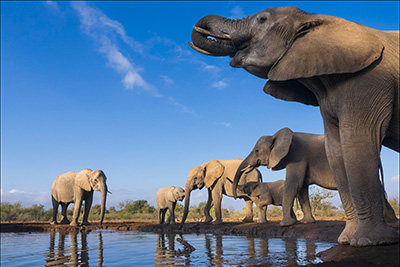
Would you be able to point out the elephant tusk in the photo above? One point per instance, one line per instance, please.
(205, 32)
(248, 169)
(200, 50)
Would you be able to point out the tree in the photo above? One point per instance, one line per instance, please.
(319, 205)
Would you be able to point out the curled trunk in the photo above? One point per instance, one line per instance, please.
(243, 167)
(217, 36)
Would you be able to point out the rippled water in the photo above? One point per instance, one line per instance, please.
(133, 248)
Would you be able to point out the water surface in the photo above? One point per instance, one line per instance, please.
(134, 248)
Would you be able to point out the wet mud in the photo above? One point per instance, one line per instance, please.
(339, 255)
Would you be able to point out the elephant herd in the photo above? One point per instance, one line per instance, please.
(349, 70)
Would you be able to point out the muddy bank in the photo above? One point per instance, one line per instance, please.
(338, 255)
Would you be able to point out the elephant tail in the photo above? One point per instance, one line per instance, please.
(383, 182)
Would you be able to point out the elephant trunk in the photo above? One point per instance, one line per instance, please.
(188, 189)
(217, 36)
(104, 191)
(243, 167)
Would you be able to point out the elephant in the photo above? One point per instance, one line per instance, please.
(264, 194)
(74, 187)
(217, 177)
(304, 157)
(349, 70)
(166, 198)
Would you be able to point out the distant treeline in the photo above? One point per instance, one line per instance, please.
(141, 209)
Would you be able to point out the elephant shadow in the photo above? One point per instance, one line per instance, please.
(71, 254)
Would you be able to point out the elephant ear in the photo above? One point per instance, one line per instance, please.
(282, 140)
(82, 179)
(329, 46)
(214, 170)
(170, 195)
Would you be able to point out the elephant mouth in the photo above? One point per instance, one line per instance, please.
(223, 41)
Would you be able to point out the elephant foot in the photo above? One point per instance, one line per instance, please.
(217, 222)
(288, 222)
(65, 221)
(247, 220)
(53, 222)
(373, 235)
(208, 220)
(348, 232)
(307, 220)
(262, 221)
(86, 223)
(73, 224)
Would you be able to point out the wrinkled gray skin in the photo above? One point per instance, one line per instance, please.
(166, 198)
(304, 157)
(76, 187)
(264, 194)
(217, 177)
(350, 71)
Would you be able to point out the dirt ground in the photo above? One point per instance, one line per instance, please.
(323, 230)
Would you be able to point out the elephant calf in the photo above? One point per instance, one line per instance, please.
(74, 187)
(264, 194)
(166, 198)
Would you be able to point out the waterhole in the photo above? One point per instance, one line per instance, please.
(134, 248)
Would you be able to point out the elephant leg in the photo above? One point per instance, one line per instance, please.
(305, 205)
(172, 213)
(335, 159)
(262, 212)
(249, 211)
(208, 207)
(88, 205)
(217, 199)
(77, 210)
(294, 180)
(389, 214)
(64, 219)
(162, 215)
(55, 208)
(365, 188)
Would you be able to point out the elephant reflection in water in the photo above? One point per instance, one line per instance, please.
(286, 253)
(78, 256)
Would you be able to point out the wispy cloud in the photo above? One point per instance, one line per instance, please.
(26, 198)
(105, 32)
(237, 13)
(226, 124)
(395, 179)
(52, 5)
(219, 84)
(167, 80)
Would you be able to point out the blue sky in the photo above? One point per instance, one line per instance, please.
(114, 86)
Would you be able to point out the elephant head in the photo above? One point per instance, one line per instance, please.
(284, 43)
(250, 189)
(90, 180)
(268, 151)
(204, 175)
(177, 194)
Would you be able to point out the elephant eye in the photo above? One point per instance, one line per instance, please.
(262, 20)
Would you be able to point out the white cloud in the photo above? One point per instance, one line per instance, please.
(104, 31)
(394, 179)
(237, 13)
(52, 5)
(167, 80)
(219, 84)
(173, 102)
(226, 124)
(27, 199)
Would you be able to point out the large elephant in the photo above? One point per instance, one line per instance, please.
(217, 177)
(304, 157)
(74, 187)
(349, 70)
